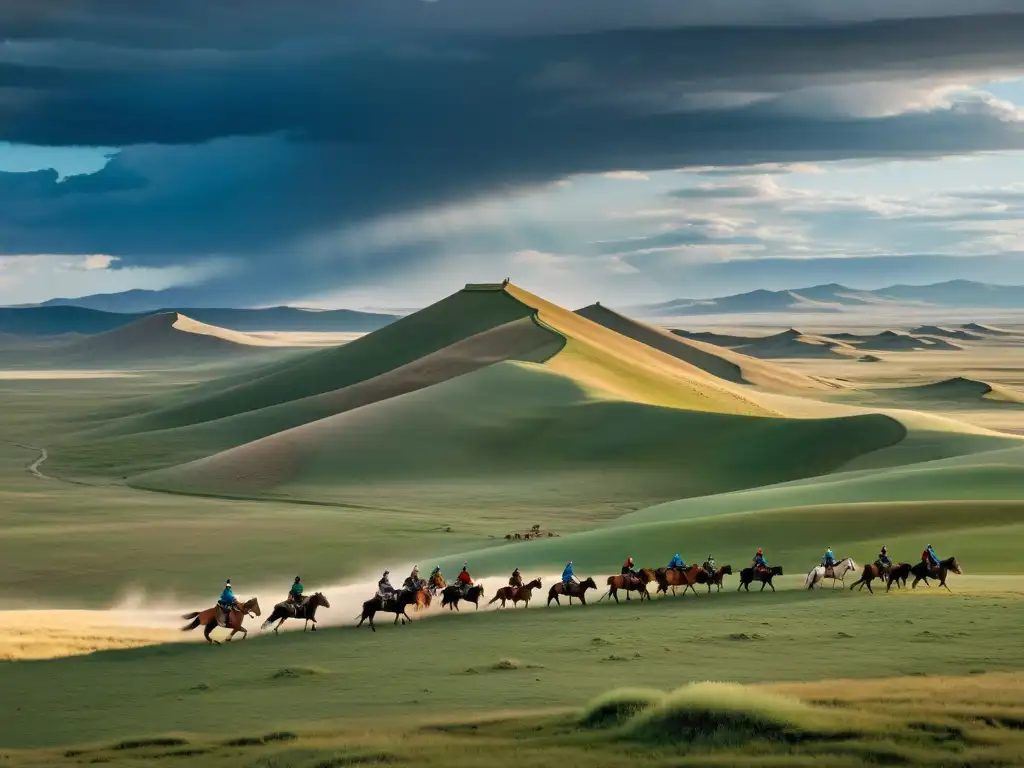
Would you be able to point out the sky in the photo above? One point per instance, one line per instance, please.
(381, 153)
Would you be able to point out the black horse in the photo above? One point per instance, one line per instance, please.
(452, 594)
(396, 604)
(748, 575)
(922, 571)
(305, 610)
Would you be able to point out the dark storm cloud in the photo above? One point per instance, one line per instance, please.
(254, 126)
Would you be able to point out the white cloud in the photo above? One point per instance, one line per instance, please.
(627, 176)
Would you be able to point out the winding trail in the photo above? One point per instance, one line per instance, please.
(33, 468)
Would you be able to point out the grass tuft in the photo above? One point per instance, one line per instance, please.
(376, 758)
(724, 714)
(144, 743)
(293, 673)
(618, 706)
(279, 736)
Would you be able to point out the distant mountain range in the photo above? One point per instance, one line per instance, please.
(837, 298)
(58, 319)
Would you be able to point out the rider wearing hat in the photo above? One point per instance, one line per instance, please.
(627, 567)
(883, 558)
(384, 588)
(709, 566)
(227, 600)
(759, 561)
(516, 579)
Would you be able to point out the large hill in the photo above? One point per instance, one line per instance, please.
(837, 298)
(572, 406)
(62, 319)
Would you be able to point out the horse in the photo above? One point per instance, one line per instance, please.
(629, 583)
(897, 574)
(395, 604)
(870, 573)
(436, 584)
(577, 589)
(452, 594)
(233, 621)
(516, 594)
(706, 578)
(748, 575)
(923, 570)
(839, 571)
(289, 610)
(673, 577)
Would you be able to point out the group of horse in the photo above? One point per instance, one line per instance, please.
(895, 573)
(419, 596)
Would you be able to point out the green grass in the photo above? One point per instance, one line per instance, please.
(461, 315)
(450, 664)
(522, 419)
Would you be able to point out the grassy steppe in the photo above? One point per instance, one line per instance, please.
(557, 657)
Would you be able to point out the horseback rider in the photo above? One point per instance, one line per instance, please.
(436, 579)
(759, 563)
(627, 567)
(676, 563)
(227, 601)
(465, 581)
(568, 577)
(295, 593)
(829, 561)
(384, 588)
(412, 581)
(516, 579)
(930, 559)
(884, 560)
(709, 566)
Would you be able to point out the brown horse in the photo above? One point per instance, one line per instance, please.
(570, 590)
(305, 610)
(211, 618)
(922, 572)
(869, 574)
(673, 577)
(517, 595)
(628, 584)
(395, 604)
(748, 575)
(706, 578)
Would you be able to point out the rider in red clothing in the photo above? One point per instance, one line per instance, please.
(464, 578)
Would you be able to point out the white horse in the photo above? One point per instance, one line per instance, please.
(839, 571)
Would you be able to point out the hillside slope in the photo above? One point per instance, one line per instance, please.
(547, 434)
(717, 361)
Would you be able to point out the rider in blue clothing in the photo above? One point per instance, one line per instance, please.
(227, 599)
(932, 557)
(676, 562)
(567, 574)
(829, 560)
(759, 561)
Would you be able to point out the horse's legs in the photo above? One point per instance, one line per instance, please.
(582, 599)
(869, 587)
(615, 593)
(282, 622)
(208, 629)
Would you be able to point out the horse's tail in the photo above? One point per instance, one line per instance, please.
(190, 615)
(193, 625)
(809, 580)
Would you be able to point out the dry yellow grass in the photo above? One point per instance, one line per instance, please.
(625, 369)
(46, 634)
(718, 361)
